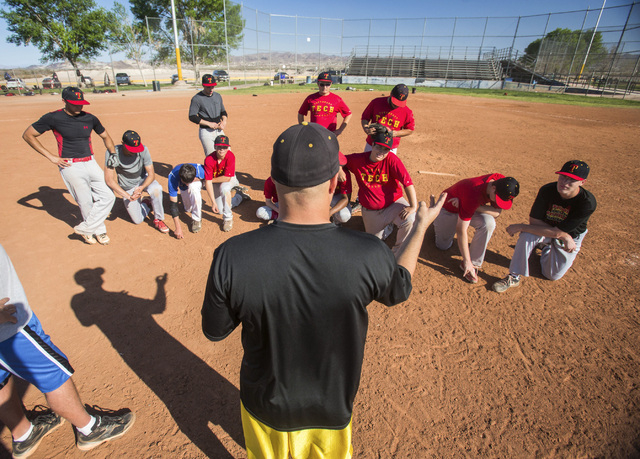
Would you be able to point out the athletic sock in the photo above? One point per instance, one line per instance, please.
(86, 430)
(25, 436)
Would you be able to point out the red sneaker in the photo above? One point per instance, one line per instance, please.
(160, 226)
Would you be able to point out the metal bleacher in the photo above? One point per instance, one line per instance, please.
(463, 69)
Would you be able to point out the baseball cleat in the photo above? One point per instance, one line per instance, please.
(196, 226)
(160, 226)
(103, 238)
(88, 238)
(43, 425)
(241, 188)
(506, 283)
(469, 278)
(227, 225)
(106, 428)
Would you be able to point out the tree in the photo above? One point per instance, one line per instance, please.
(71, 30)
(201, 28)
(559, 48)
(129, 37)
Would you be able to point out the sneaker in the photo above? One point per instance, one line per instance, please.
(147, 202)
(160, 226)
(506, 283)
(240, 188)
(88, 238)
(245, 196)
(106, 428)
(227, 225)
(43, 425)
(196, 226)
(357, 207)
(103, 238)
(469, 278)
(387, 231)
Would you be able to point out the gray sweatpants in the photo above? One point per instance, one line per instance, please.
(554, 260)
(207, 139)
(445, 229)
(375, 221)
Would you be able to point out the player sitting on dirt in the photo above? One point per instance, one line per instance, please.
(557, 225)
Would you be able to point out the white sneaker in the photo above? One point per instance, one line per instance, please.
(387, 231)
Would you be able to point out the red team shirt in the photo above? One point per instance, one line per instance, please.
(379, 111)
(324, 109)
(380, 183)
(471, 194)
(213, 168)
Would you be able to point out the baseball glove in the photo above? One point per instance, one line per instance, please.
(380, 129)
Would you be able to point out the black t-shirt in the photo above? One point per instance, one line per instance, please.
(73, 133)
(301, 293)
(568, 215)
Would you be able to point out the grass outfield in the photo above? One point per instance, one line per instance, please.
(564, 99)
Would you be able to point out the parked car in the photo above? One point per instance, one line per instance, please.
(16, 83)
(283, 77)
(50, 83)
(122, 78)
(220, 75)
(88, 81)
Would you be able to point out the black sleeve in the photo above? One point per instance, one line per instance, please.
(217, 319)
(97, 126)
(194, 119)
(224, 113)
(399, 288)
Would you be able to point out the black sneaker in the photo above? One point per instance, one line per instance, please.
(106, 428)
(43, 425)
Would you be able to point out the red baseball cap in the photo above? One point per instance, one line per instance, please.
(222, 141)
(208, 80)
(131, 141)
(399, 95)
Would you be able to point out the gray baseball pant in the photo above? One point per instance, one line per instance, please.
(138, 211)
(375, 221)
(445, 229)
(207, 138)
(554, 260)
(85, 182)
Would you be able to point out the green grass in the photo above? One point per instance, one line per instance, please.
(539, 97)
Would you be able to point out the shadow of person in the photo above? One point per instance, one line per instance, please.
(53, 201)
(192, 391)
(21, 386)
(250, 181)
(162, 169)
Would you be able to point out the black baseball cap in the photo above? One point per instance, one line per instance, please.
(305, 155)
(577, 170)
(74, 96)
(399, 95)
(222, 140)
(208, 80)
(507, 188)
(324, 77)
(131, 141)
(384, 139)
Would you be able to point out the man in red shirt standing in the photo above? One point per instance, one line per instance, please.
(391, 112)
(475, 202)
(325, 106)
(382, 178)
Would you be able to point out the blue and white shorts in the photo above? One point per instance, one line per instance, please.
(30, 355)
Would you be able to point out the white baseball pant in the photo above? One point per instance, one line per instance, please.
(445, 228)
(139, 211)
(375, 221)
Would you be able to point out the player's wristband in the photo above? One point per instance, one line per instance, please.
(173, 209)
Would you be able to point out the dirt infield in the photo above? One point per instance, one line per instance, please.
(549, 369)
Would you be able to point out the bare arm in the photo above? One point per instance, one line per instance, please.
(106, 138)
(300, 118)
(272, 205)
(111, 179)
(462, 227)
(540, 228)
(208, 184)
(30, 136)
(345, 121)
(365, 127)
(341, 204)
(407, 255)
(173, 202)
(413, 202)
(490, 210)
(401, 133)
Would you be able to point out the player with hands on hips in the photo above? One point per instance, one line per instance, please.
(381, 179)
(186, 179)
(129, 173)
(81, 174)
(324, 107)
(220, 179)
(557, 224)
(475, 202)
(208, 112)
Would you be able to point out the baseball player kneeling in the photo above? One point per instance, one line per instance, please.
(557, 224)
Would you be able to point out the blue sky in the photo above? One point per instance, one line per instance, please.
(12, 56)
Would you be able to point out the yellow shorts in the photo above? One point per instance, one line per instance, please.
(263, 442)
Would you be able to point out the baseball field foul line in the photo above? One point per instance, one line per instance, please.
(436, 173)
